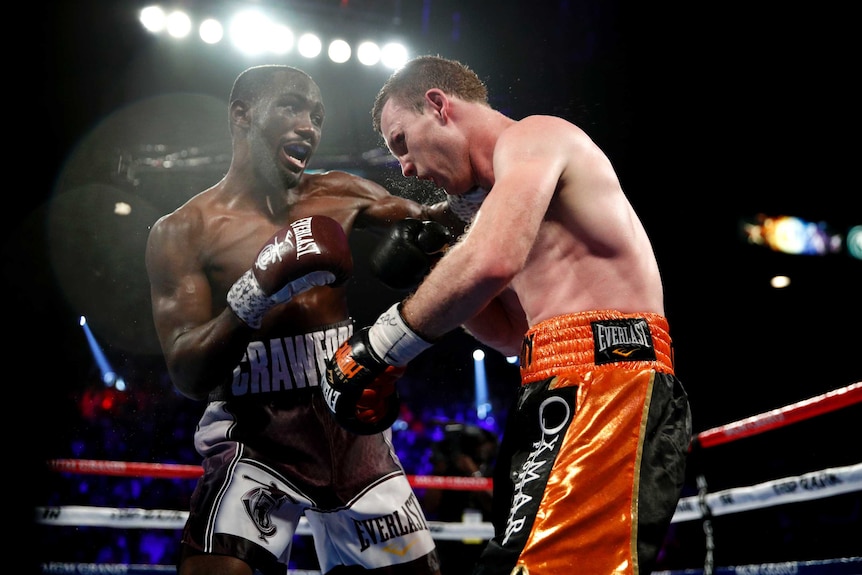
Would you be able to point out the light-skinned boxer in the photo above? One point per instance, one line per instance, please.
(557, 267)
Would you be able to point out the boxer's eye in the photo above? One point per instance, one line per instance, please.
(397, 145)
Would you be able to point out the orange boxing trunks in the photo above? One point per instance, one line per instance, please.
(593, 457)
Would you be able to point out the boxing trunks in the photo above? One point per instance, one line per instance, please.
(592, 461)
(272, 452)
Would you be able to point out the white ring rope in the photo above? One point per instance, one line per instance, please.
(137, 518)
(815, 485)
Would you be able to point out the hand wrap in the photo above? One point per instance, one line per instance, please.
(359, 387)
(309, 252)
(467, 205)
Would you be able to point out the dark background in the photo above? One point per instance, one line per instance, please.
(711, 112)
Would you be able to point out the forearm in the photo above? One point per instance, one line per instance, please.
(203, 358)
(497, 328)
(457, 289)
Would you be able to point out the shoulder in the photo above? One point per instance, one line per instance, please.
(183, 224)
(548, 129)
(340, 182)
(548, 140)
(193, 211)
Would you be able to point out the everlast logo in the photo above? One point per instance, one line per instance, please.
(622, 340)
(286, 363)
(347, 370)
(305, 243)
(330, 395)
(299, 235)
(409, 519)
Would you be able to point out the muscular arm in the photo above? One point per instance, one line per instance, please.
(501, 324)
(199, 348)
(383, 209)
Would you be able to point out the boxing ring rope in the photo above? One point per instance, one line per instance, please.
(180, 471)
(807, 409)
(814, 485)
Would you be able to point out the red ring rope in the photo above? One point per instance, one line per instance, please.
(780, 417)
(178, 471)
(783, 416)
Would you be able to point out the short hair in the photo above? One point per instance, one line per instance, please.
(409, 84)
(252, 82)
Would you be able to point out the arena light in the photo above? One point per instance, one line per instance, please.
(368, 53)
(178, 24)
(309, 45)
(153, 19)
(109, 376)
(279, 39)
(255, 32)
(211, 31)
(854, 242)
(792, 235)
(480, 382)
(339, 51)
(779, 282)
(250, 32)
(394, 55)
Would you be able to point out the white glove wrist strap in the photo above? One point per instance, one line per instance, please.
(466, 206)
(393, 340)
(248, 301)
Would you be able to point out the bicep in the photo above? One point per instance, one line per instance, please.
(509, 220)
(383, 210)
(179, 288)
(379, 209)
(501, 324)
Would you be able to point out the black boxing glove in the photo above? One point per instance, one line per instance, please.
(309, 252)
(359, 387)
(408, 251)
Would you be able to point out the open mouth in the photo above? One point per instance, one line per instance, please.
(297, 153)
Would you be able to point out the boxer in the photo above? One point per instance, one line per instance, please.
(555, 265)
(248, 281)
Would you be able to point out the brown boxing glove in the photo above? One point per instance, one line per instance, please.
(309, 252)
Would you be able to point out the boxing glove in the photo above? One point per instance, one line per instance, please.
(467, 205)
(359, 387)
(309, 252)
(408, 251)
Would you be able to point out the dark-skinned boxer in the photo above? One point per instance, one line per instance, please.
(249, 294)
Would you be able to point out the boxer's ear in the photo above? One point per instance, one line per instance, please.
(239, 114)
(437, 102)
